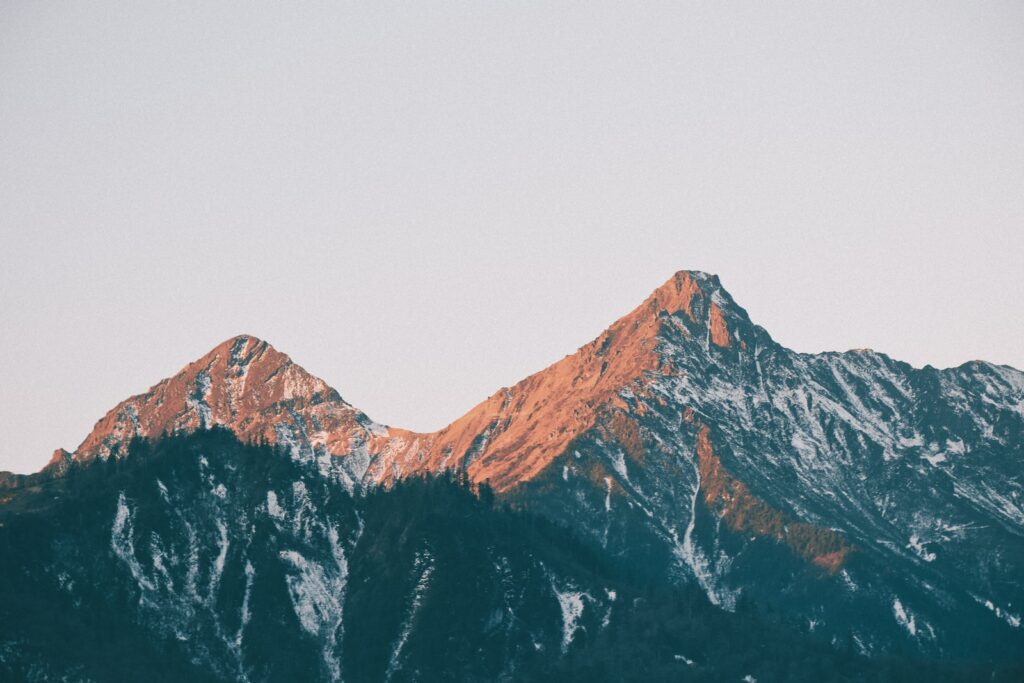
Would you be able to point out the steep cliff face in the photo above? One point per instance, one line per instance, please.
(880, 504)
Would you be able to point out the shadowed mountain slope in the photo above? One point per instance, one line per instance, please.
(879, 504)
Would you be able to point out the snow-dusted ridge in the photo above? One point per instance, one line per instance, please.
(916, 471)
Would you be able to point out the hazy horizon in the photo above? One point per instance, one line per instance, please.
(423, 203)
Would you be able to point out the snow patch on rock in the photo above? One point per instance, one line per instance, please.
(570, 603)
(424, 566)
(122, 542)
(904, 618)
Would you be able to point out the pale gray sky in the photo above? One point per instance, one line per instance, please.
(423, 202)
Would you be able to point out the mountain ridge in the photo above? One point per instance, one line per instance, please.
(185, 387)
(876, 501)
(675, 295)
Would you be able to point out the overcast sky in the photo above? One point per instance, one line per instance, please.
(423, 202)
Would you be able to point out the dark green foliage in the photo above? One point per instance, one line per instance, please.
(470, 579)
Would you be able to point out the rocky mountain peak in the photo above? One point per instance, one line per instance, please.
(517, 432)
(243, 384)
(677, 293)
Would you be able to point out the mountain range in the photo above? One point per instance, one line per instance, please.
(862, 517)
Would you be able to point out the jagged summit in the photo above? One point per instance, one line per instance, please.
(517, 432)
(245, 385)
(676, 295)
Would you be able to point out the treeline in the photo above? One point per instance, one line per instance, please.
(466, 576)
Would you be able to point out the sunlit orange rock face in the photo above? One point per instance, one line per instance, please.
(245, 385)
(513, 435)
(719, 329)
